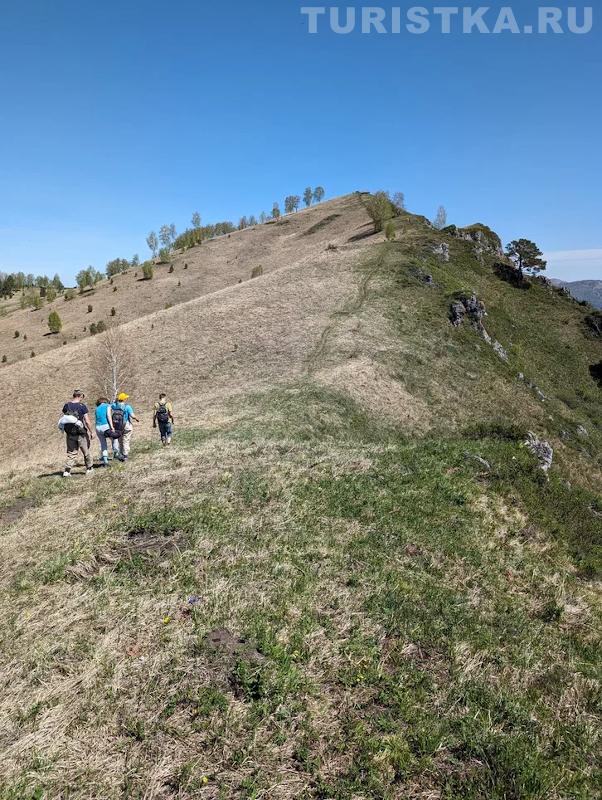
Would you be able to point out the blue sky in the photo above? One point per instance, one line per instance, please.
(118, 116)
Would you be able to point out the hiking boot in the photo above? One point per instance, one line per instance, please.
(89, 471)
(66, 474)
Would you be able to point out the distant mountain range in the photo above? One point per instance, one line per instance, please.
(591, 291)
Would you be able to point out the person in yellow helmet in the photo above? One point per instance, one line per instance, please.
(123, 417)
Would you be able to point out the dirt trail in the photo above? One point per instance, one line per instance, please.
(316, 358)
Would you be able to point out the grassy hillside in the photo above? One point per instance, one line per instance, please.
(347, 578)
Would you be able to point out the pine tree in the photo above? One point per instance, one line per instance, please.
(526, 255)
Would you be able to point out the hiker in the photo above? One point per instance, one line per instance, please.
(104, 426)
(75, 423)
(163, 416)
(122, 415)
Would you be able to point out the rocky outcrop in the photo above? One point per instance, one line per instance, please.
(471, 307)
(484, 239)
(474, 309)
(442, 251)
(541, 449)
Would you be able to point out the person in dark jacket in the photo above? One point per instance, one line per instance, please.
(78, 433)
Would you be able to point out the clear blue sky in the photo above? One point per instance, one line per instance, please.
(120, 115)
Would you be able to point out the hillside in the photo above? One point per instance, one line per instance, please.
(348, 577)
(585, 291)
(218, 263)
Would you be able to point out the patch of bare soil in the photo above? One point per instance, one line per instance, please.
(226, 644)
(15, 511)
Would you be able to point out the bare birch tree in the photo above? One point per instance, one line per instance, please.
(112, 364)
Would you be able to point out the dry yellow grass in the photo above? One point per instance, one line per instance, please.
(216, 264)
(229, 338)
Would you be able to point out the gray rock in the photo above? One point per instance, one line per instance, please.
(456, 313)
(499, 350)
(541, 449)
(474, 309)
(582, 432)
(442, 251)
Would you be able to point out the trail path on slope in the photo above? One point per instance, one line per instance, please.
(316, 357)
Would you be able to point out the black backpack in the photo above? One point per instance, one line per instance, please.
(118, 419)
(71, 429)
(162, 413)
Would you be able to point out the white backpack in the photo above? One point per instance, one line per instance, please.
(70, 422)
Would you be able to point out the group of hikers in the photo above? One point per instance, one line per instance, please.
(113, 425)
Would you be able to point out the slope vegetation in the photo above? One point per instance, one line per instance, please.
(347, 578)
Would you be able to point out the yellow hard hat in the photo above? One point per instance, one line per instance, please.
(123, 397)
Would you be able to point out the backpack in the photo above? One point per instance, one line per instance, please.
(162, 413)
(119, 419)
(72, 422)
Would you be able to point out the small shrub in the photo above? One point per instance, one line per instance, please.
(113, 312)
(185, 266)
(65, 342)
(114, 288)
(24, 337)
(257, 271)
(54, 322)
(4, 359)
(380, 209)
(390, 231)
(167, 306)
(101, 326)
(33, 355)
(147, 271)
(69, 294)
(179, 284)
(93, 329)
(90, 309)
(17, 334)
